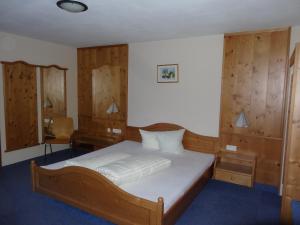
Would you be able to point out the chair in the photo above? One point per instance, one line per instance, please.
(62, 129)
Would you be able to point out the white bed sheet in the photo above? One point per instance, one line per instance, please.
(170, 183)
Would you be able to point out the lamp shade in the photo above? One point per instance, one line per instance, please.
(48, 103)
(241, 121)
(112, 108)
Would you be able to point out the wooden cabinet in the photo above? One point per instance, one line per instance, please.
(235, 168)
(102, 81)
(253, 82)
(20, 102)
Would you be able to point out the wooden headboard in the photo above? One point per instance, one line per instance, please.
(191, 141)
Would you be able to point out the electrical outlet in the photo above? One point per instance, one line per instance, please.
(116, 131)
(231, 148)
(108, 130)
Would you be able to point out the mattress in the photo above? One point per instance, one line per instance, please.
(170, 183)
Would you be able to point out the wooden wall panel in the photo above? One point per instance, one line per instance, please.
(259, 82)
(253, 81)
(96, 93)
(84, 82)
(20, 91)
(107, 88)
(291, 184)
(268, 153)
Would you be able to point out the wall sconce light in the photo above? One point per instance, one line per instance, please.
(113, 108)
(241, 121)
(48, 103)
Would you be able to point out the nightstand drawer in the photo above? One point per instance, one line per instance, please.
(232, 177)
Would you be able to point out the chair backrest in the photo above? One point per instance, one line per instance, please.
(62, 127)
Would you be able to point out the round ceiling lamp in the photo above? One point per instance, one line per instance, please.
(72, 6)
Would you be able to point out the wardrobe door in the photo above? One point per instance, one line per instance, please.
(20, 94)
(291, 179)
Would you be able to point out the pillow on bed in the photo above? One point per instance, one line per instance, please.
(171, 141)
(149, 140)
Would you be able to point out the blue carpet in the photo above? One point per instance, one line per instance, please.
(218, 203)
(296, 212)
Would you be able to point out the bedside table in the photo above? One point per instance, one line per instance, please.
(237, 168)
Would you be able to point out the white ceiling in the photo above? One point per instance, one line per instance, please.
(121, 21)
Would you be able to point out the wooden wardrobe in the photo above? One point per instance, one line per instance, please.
(291, 180)
(20, 102)
(254, 82)
(102, 81)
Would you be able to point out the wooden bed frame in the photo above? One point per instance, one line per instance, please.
(92, 192)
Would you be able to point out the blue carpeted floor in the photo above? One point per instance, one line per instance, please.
(217, 204)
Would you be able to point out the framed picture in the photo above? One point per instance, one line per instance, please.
(167, 73)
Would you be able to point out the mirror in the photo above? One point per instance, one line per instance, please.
(53, 95)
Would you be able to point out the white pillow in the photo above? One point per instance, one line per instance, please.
(149, 140)
(171, 141)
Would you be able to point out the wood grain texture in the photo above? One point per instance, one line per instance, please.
(253, 81)
(100, 196)
(35, 65)
(257, 31)
(96, 89)
(54, 66)
(191, 141)
(291, 185)
(236, 168)
(103, 198)
(107, 88)
(20, 94)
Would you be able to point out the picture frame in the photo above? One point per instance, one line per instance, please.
(167, 73)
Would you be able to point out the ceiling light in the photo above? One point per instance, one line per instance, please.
(72, 6)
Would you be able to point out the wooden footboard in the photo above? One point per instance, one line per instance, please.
(92, 192)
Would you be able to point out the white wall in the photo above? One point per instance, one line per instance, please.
(12, 48)
(194, 102)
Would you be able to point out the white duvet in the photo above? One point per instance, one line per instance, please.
(133, 168)
(95, 162)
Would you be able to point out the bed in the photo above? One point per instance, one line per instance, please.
(132, 203)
